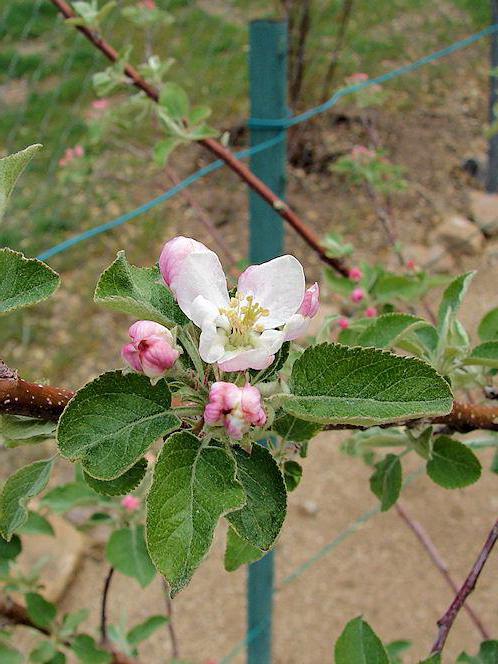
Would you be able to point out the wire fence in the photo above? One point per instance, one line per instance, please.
(221, 36)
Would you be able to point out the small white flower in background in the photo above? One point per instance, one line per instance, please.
(152, 350)
(235, 408)
(244, 331)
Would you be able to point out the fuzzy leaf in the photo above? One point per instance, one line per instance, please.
(24, 484)
(126, 551)
(37, 525)
(293, 472)
(488, 327)
(10, 550)
(452, 464)
(112, 421)
(87, 651)
(488, 654)
(486, 355)
(336, 384)
(41, 612)
(358, 644)
(239, 552)
(386, 481)
(11, 168)
(453, 297)
(17, 430)
(9, 655)
(193, 486)
(138, 291)
(65, 497)
(24, 281)
(260, 520)
(174, 100)
(296, 430)
(384, 329)
(121, 485)
(145, 629)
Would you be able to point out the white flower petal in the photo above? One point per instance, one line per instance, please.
(203, 310)
(211, 343)
(296, 327)
(256, 358)
(201, 274)
(277, 285)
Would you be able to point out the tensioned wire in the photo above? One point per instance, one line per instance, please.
(274, 124)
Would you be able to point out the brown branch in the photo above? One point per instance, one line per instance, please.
(334, 61)
(446, 622)
(103, 609)
(438, 561)
(238, 167)
(175, 649)
(17, 615)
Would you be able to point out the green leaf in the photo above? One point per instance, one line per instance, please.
(67, 496)
(174, 100)
(41, 612)
(24, 484)
(36, 525)
(453, 465)
(364, 386)
(488, 654)
(358, 644)
(86, 650)
(164, 148)
(386, 481)
(486, 355)
(261, 519)
(385, 329)
(123, 484)
(24, 281)
(11, 168)
(239, 551)
(193, 486)
(10, 550)
(293, 472)
(126, 551)
(9, 655)
(453, 297)
(488, 327)
(43, 653)
(16, 430)
(392, 286)
(395, 649)
(72, 621)
(144, 630)
(112, 422)
(432, 659)
(138, 291)
(293, 429)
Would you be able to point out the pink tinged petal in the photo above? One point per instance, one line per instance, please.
(296, 327)
(213, 413)
(201, 274)
(278, 286)
(174, 253)
(311, 301)
(255, 358)
(147, 328)
(252, 405)
(130, 354)
(235, 426)
(157, 356)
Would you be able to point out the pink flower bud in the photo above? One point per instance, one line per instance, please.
(130, 503)
(358, 77)
(152, 350)
(311, 302)
(360, 152)
(371, 312)
(148, 4)
(79, 151)
(357, 295)
(410, 264)
(343, 323)
(355, 274)
(100, 104)
(235, 408)
(174, 253)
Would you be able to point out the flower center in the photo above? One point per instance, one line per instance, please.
(243, 315)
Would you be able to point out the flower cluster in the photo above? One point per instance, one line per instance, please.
(71, 154)
(239, 331)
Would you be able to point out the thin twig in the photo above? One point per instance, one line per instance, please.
(431, 549)
(344, 19)
(104, 606)
(216, 148)
(446, 622)
(175, 650)
(303, 32)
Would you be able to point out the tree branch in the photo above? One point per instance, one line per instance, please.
(439, 563)
(17, 615)
(238, 167)
(446, 622)
(103, 609)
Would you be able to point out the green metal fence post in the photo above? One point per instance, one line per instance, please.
(268, 90)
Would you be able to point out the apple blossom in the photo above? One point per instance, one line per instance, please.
(343, 323)
(355, 274)
(152, 350)
(246, 330)
(298, 324)
(371, 312)
(235, 408)
(130, 503)
(357, 295)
